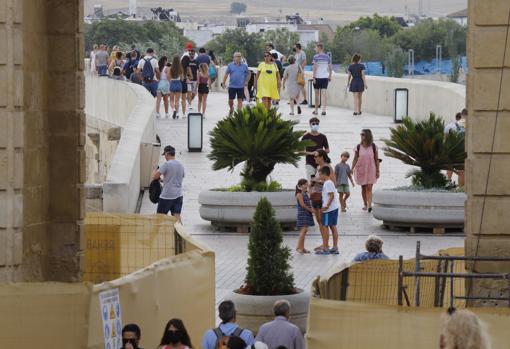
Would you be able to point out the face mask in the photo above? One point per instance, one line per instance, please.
(315, 128)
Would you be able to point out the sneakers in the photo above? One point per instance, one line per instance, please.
(322, 251)
(158, 116)
(299, 109)
(174, 115)
(167, 115)
(305, 102)
(333, 250)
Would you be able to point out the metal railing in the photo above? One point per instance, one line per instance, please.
(445, 270)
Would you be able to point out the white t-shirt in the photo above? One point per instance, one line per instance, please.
(322, 61)
(154, 63)
(452, 126)
(278, 53)
(329, 187)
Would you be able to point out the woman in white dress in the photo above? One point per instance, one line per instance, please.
(290, 84)
(93, 59)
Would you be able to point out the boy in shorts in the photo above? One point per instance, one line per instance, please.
(343, 174)
(330, 205)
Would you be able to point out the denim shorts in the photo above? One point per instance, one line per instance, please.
(174, 206)
(233, 92)
(321, 84)
(330, 219)
(102, 70)
(175, 86)
(164, 87)
(151, 86)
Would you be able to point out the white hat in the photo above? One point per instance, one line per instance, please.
(258, 345)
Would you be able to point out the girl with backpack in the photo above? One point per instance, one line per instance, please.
(204, 83)
(365, 167)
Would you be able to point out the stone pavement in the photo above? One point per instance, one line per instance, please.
(342, 130)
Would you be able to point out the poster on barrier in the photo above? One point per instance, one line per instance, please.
(109, 301)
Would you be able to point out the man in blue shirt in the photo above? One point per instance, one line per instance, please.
(228, 327)
(239, 77)
(202, 57)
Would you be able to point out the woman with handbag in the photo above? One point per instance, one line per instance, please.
(293, 81)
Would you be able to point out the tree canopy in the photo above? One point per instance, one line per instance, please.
(238, 7)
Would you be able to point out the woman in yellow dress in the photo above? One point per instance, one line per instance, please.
(268, 81)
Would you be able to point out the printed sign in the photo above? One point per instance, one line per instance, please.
(109, 302)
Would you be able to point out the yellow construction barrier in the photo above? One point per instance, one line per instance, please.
(338, 325)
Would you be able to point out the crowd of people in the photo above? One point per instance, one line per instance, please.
(177, 80)
(277, 334)
(460, 329)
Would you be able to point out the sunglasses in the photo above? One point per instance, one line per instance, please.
(314, 124)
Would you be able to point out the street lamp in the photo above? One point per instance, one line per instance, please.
(439, 58)
(410, 62)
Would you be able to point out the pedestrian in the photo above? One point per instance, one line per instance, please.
(270, 48)
(373, 247)
(113, 54)
(176, 325)
(227, 329)
(304, 213)
(204, 83)
(280, 331)
(203, 57)
(117, 67)
(239, 75)
(300, 57)
(329, 218)
(320, 141)
(187, 76)
(189, 51)
(343, 174)
(317, 185)
(268, 81)
(148, 72)
(236, 343)
(176, 75)
(193, 83)
(213, 70)
(171, 197)
(366, 167)
(322, 71)
(131, 335)
(357, 82)
(163, 86)
(102, 60)
(130, 64)
(173, 340)
(462, 329)
(455, 127)
(290, 84)
(93, 59)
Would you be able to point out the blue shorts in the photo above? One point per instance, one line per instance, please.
(321, 84)
(151, 86)
(102, 70)
(164, 87)
(330, 219)
(233, 92)
(175, 86)
(174, 206)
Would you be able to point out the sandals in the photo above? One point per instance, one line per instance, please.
(304, 251)
(315, 113)
(323, 113)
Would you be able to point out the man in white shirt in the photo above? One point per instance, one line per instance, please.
(322, 71)
(271, 49)
(330, 206)
(454, 126)
(149, 75)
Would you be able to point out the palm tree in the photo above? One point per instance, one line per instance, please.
(423, 144)
(260, 139)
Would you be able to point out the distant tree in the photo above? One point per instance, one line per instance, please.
(282, 39)
(395, 61)
(237, 7)
(251, 45)
(385, 26)
(366, 42)
(163, 36)
(425, 35)
(454, 74)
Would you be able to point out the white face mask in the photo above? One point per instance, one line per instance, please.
(315, 128)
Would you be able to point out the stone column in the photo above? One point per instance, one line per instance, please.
(488, 163)
(42, 133)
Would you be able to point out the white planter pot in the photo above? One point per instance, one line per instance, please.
(238, 208)
(419, 208)
(253, 311)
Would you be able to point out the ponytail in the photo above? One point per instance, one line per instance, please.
(300, 183)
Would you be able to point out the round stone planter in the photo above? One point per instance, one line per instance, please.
(253, 311)
(237, 208)
(419, 208)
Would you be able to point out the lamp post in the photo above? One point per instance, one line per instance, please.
(439, 58)
(410, 63)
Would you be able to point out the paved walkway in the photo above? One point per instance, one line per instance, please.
(342, 129)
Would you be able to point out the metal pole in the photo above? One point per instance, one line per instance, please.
(401, 279)
(417, 278)
(410, 62)
(439, 58)
(451, 285)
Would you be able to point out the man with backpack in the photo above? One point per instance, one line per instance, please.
(217, 338)
(148, 71)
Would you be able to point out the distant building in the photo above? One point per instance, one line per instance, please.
(460, 17)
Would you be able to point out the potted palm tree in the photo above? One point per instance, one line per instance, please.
(430, 201)
(259, 139)
(268, 277)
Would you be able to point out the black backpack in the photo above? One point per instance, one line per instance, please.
(155, 191)
(222, 339)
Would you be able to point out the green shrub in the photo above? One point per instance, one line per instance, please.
(268, 270)
(423, 144)
(258, 138)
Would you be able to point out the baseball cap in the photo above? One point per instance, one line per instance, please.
(189, 46)
(168, 149)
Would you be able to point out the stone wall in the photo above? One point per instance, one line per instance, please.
(42, 133)
(488, 166)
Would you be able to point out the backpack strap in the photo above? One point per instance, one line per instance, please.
(357, 148)
(237, 332)
(218, 333)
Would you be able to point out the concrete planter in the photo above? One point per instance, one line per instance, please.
(236, 208)
(253, 311)
(419, 208)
